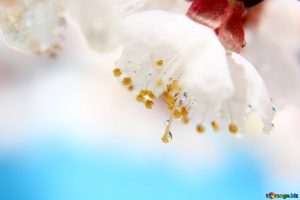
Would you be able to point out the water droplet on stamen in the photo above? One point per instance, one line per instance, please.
(170, 136)
(167, 122)
(267, 129)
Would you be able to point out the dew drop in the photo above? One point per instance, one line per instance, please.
(167, 122)
(170, 136)
(267, 129)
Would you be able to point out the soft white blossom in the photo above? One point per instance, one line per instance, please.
(98, 19)
(32, 25)
(170, 56)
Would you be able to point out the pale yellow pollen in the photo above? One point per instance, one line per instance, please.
(159, 83)
(233, 128)
(185, 120)
(184, 112)
(160, 63)
(131, 88)
(173, 87)
(168, 98)
(177, 114)
(170, 106)
(127, 81)
(165, 139)
(140, 98)
(117, 72)
(169, 88)
(149, 104)
(151, 95)
(143, 92)
(200, 128)
(215, 126)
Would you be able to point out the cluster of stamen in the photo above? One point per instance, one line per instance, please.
(146, 97)
(175, 99)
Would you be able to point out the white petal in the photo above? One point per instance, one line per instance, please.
(32, 26)
(191, 54)
(199, 54)
(250, 89)
(98, 19)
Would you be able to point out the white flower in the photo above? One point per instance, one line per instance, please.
(99, 18)
(32, 25)
(82, 103)
(170, 56)
(250, 90)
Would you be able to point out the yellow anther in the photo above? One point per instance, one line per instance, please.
(175, 85)
(233, 128)
(159, 83)
(168, 98)
(140, 98)
(165, 95)
(117, 72)
(167, 131)
(215, 126)
(200, 128)
(143, 92)
(170, 106)
(160, 63)
(131, 88)
(169, 88)
(127, 81)
(185, 120)
(149, 104)
(151, 95)
(165, 139)
(184, 112)
(177, 114)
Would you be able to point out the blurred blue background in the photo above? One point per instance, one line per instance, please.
(56, 171)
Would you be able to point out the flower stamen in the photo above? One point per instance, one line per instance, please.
(160, 63)
(167, 131)
(215, 126)
(200, 128)
(233, 128)
(117, 72)
(127, 81)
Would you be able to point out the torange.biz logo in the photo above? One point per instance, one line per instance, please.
(272, 195)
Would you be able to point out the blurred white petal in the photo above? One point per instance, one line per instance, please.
(32, 26)
(250, 91)
(98, 19)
